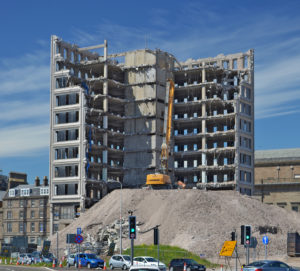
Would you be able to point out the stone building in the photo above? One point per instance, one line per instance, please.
(277, 177)
(107, 114)
(26, 212)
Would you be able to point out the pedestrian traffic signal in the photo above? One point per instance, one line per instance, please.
(132, 227)
(233, 236)
(156, 236)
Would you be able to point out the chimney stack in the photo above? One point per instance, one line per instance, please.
(45, 181)
(37, 181)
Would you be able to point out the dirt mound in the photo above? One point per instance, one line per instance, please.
(199, 221)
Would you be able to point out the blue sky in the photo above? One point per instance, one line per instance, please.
(187, 29)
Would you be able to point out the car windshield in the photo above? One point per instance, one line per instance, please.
(127, 258)
(190, 261)
(92, 256)
(151, 260)
(257, 264)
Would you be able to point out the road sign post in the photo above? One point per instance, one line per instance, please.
(265, 241)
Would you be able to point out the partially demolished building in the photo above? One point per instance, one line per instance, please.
(107, 122)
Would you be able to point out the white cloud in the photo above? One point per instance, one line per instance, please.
(25, 140)
(26, 73)
(24, 110)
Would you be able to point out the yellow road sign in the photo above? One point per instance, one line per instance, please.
(228, 248)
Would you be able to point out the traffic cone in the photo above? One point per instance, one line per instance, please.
(17, 263)
(10, 261)
(53, 263)
(22, 262)
(221, 267)
(184, 267)
(60, 264)
(79, 264)
(104, 267)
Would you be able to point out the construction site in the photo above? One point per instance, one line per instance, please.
(107, 123)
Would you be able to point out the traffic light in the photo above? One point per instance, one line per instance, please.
(242, 234)
(156, 236)
(132, 227)
(233, 236)
(247, 234)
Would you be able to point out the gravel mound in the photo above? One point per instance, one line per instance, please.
(199, 221)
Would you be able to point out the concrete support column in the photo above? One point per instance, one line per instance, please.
(203, 98)
(105, 118)
(203, 176)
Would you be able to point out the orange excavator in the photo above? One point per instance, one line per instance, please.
(162, 179)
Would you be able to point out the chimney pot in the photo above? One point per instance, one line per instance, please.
(45, 181)
(37, 181)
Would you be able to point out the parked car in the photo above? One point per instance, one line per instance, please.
(191, 265)
(24, 258)
(37, 257)
(148, 261)
(71, 260)
(143, 268)
(88, 260)
(268, 265)
(120, 261)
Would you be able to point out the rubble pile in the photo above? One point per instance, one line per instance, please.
(196, 220)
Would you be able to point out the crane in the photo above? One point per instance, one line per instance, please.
(162, 179)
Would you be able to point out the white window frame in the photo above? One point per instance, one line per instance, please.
(44, 191)
(25, 192)
(12, 192)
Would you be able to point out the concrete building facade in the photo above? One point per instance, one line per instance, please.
(26, 212)
(107, 114)
(277, 177)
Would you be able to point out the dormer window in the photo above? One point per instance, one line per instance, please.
(44, 191)
(12, 192)
(25, 192)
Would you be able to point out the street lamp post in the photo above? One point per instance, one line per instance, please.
(121, 218)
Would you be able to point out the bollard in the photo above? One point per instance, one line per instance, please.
(5, 261)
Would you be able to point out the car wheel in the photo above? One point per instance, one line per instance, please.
(111, 266)
(171, 268)
(89, 266)
(124, 267)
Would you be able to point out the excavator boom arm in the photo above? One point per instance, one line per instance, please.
(165, 149)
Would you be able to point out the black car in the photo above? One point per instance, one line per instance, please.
(191, 265)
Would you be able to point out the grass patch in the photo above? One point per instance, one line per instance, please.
(167, 253)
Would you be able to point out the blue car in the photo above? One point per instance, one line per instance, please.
(88, 260)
